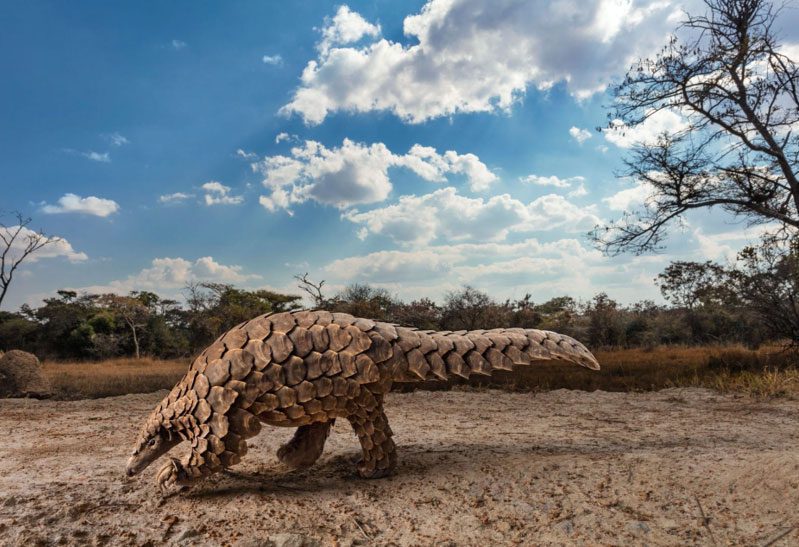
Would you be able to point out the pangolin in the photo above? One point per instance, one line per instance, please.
(304, 369)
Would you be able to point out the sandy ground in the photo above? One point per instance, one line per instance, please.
(476, 468)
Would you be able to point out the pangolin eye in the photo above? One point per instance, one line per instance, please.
(151, 442)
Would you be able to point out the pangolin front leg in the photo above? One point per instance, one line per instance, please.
(208, 456)
(306, 446)
(371, 425)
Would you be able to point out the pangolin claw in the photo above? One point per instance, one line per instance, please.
(171, 478)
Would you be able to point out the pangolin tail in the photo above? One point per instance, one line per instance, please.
(443, 355)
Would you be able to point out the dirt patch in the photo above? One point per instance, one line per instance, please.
(475, 468)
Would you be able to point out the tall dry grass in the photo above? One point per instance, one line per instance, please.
(767, 372)
(90, 380)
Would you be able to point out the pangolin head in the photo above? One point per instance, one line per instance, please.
(155, 439)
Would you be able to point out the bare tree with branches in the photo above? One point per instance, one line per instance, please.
(18, 243)
(738, 94)
(314, 290)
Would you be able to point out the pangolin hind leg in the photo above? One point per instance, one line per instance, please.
(306, 446)
(371, 425)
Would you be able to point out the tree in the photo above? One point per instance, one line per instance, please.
(738, 148)
(18, 243)
(686, 284)
(133, 310)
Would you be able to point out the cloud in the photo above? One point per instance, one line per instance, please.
(178, 44)
(283, 136)
(177, 197)
(630, 198)
(246, 155)
(445, 215)
(105, 157)
(578, 192)
(174, 273)
(274, 60)
(346, 27)
(357, 173)
(117, 139)
(91, 205)
(217, 193)
(475, 56)
(647, 132)
(58, 248)
(505, 270)
(580, 135)
(552, 181)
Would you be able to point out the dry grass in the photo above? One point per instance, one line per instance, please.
(90, 380)
(763, 373)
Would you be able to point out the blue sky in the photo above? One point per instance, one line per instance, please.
(416, 146)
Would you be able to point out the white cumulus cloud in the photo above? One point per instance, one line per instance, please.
(357, 173)
(60, 247)
(217, 193)
(91, 205)
(663, 121)
(103, 157)
(176, 197)
(476, 56)
(274, 60)
(420, 220)
(557, 182)
(580, 135)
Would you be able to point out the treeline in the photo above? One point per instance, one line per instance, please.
(708, 303)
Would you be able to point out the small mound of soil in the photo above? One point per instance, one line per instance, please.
(21, 375)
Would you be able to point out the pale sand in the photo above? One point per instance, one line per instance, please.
(475, 468)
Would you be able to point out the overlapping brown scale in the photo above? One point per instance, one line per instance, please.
(302, 341)
(480, 341)
(313, 365)
(408, 339)
(280, 346)
(282, 322)
(221, 398)
(305, 391)
(364, 324)
(500, 360)
(443, 344)
(265, 403)
(275, 374)
(215, 351)
(241, 363)
(324, 386)
(456, 365)
(244, 423)
(320, 338)
(380, 349)
(235, 338)
(219, 424)
(477, 363)
(347, 361)
(427, 343)
(218, 372)
(295, 370)
(203, 411)
(367, 370)
(331, 364)
(258, 328)
(339, 337)
(305, 318)
(417, 364)
(461, 343)
(517, 356)
(387, 331)
(323, 318)
(343, 319)
(286, 396)
(437, 365)
(261, 351)
(359, 342)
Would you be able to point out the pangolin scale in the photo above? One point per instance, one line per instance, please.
(304, 369)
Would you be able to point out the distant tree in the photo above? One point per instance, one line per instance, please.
(422, 314)
(686, 284)
(469, 308)
(18, 243)
(314, 290)
(366, 301)
(739, 148)
(605, 325)
(132, 309)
